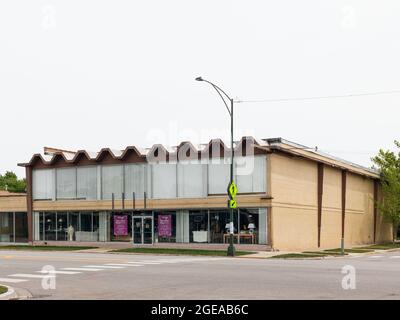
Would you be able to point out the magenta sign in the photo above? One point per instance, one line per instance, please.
(165, 225)
(120, 225)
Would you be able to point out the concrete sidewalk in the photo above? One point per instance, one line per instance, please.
(124, 245)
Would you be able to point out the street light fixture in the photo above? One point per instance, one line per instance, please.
(222, 93)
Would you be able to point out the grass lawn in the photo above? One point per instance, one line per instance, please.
(354, 250)
(44, 248)
(181, 251)
(383, 246)
(299, 255)
(325, 253)
(3, 289)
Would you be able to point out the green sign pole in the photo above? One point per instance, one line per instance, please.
(231, 248)
(232, 201)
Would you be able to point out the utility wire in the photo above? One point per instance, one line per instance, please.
(320, 97)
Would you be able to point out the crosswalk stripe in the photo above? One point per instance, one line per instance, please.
(104, 267)
(26, 275)
(58, 272)
(12, 280)
(159, 261)
(144, 262)
(82, 269)
(124, 265)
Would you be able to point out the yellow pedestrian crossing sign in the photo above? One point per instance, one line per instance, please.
(232, 204)
(232, 190)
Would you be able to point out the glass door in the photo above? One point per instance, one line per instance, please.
(142, 230)
(147, 230)
(137, 227)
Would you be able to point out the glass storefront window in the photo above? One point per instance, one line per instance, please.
(6, 227)
(41, 226)
(249, 226)
(65, 226)
(198, 226)
(95, 222)
(21, 227)
(62, 226)
(86, 221)
(121, 227)
(50, 226)
(86, 232)
(165, 226)
(183, 226)
(73, 225)
(219, 226)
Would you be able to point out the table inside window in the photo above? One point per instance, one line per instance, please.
(250, 236)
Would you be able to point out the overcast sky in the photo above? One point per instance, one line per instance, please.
(92, 74)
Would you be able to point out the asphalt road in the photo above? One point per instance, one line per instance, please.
(126, 276)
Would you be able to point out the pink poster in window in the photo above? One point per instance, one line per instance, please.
(165, 225)
(120, 225)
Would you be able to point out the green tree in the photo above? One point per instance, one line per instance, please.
(388, 162)
(9, 181)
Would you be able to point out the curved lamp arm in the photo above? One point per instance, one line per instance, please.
(219, 90)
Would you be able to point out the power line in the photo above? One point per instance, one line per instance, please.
(320, 97)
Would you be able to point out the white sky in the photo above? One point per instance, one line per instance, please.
(82, 74)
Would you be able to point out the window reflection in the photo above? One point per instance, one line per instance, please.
(219, 226)
(248, 226)
(6, 227)
(62, 225)
(198, 226)
(50, 226)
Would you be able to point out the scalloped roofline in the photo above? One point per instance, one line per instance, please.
(265, 145)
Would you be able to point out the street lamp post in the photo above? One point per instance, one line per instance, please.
(222, 93)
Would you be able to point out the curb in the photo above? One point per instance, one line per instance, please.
(10, 294)
(15, 294)
(390, 250)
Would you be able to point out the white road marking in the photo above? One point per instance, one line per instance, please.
(394, 257)
(144, 262)
(26, 275)
(124, 265)
(104, 267)
(58, 272)
(161, 261)
(376, 257)
(12, 280)
(82, 269)
(150, 262)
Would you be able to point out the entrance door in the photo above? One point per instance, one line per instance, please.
(142, 230)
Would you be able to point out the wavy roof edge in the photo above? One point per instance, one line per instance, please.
(269, 144)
